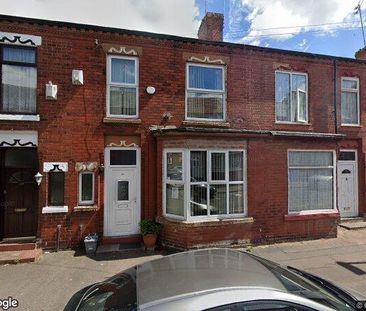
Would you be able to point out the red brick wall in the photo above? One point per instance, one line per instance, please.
(72, 129)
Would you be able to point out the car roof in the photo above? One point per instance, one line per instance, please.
(201, 270)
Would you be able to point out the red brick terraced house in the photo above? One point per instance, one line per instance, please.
(223, 143)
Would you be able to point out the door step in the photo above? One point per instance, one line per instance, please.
(106, 240)
(351, 219)
(7, 247)
(353, 225)
(113, 248)
(23, 256)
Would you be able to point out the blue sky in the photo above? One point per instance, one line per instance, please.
(244, 19)
(327, 39)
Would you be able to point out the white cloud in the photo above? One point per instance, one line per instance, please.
(264, 14)
(178, 17)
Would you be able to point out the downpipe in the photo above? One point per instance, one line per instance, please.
(58, 238)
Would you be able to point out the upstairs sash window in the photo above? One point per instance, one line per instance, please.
(19, 80)
(205, 92)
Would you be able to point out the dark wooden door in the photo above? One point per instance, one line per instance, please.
(20, 203)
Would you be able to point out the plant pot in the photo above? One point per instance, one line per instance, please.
(150, 240)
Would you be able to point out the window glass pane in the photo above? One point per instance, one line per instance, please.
(218, 199)
(123, 190)
(301, 97)
(218, 166)
(205, 78)
(122, 101)
(174, 166)
(123, 70)
(19, 55)
(310, 189)
(199, 200)
(86, 186)
(175, 199)
(298, 82)
(123, 157)
(205, 105)
(283, 112)
(56, 188)
(349, 84)
(198, 166)
(236, 165)
(349, 108)
(21, 157)
(19, 89)
(347, 156)
(298, 158)
(236, 199)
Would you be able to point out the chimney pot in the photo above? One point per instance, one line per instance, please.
(212, 26)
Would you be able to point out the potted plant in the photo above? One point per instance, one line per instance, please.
(149, 229)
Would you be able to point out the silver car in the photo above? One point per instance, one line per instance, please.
(214, 279)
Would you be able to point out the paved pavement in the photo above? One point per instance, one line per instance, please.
(342, 260)
(49, 283)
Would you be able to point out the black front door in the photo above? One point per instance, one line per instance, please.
(19, 197)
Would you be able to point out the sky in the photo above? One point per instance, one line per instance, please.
(315, 26)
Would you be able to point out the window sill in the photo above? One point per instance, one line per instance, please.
(293, 123)
(20, 117)
(85, 208)
(311, 216)
(55, 209)
(122, 120)
(351, 125)
(207, 222)
(206, 123)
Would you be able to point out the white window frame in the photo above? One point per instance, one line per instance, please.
(208, 91)
(86, 202)
(116, 84)
(299, 120)
(186, 156)
(357, 91)
(174, 182)
(334, 167)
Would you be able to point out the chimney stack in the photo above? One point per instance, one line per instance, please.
(361, 54)
(212, 26)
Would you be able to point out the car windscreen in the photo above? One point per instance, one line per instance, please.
(117, 293)
(300, 285)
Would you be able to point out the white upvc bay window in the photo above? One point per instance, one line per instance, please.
(205, 92)
(291, 97)
(122, 86)
(202, 184)
(311, 181)
(350, 106)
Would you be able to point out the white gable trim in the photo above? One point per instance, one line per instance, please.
(55, 167)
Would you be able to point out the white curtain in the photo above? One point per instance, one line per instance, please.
(310, 181)
(123, 101)
(283, 112)
(123, 71)
(349, 108)
(19, 89)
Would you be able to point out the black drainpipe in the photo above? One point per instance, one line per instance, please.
(335, 95)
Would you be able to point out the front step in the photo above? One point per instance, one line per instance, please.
(23, 256)
(351, 219)
(353, 225)
(7, 247)
(107, 240)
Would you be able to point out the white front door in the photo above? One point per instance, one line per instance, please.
(347, 188)
(122, 190)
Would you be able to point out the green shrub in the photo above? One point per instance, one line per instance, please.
(148, 226)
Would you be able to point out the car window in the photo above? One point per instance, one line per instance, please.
(261, 305)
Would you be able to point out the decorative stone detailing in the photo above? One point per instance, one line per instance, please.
(18, 139)
(55, 167)
(122, 144)
(19, 39)
(121, 49)
(86, 166)
(206, 59)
